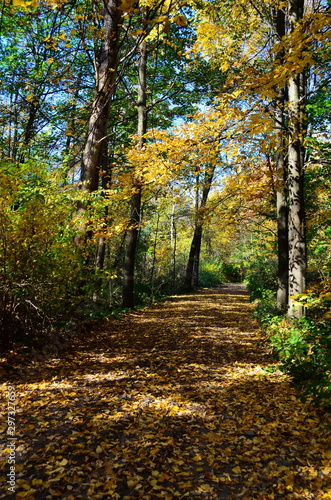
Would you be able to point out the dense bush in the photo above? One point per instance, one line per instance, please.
(267, 308)
(210, 274)
(261, 277)
(40, 267)
(232, 272)
(302, 346)
(304, 350)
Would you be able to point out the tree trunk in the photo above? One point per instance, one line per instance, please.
(154, 254)
(191, 279)
(99, 264)
(296, 230)
(281, 169)
(282, 236)
(192, 268)
(134, 223)
(101, 248)
(105, 71)
(173, 244)
(130, 253)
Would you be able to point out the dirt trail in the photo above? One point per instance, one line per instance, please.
(169, 402)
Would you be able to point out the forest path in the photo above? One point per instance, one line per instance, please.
(168, 402)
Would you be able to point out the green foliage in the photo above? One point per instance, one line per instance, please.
(304, 349)
(232, 272)
(261, 276)
(267, 309)
(302, 346)
(210, 274)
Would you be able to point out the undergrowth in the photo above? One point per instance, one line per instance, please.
(303, 346)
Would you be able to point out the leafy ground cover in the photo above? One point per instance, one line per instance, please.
(172, 402)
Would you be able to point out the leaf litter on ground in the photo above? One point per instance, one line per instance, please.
(170, 402)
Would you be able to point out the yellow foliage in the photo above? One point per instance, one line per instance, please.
(126, 5)
(25, 3)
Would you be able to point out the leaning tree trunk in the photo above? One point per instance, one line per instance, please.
(105, 72)
(296, 230)
(281, 171)
(134, 223)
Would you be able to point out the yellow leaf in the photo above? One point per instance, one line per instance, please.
(160, 19)
(138, 32)
(180, 20)
(24, 484)
(63, 462)
(205, 487)
(126, 5)
(37, 482)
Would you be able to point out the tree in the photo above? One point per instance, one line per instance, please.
(296, 128)
(281, 169)
(105, 64)
(192, 268)
(134, 223)
(70, 67)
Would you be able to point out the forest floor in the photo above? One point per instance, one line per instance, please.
(168, 402)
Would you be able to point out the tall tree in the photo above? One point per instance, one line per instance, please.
(296, 225)
(281, 168)
(105, 63)
(192, 268)
(134, 222)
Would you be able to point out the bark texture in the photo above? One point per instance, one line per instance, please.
(105, 68)
(281, 169)
(106, 61)
(296, 229)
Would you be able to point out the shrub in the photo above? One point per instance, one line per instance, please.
(232, 273)
(302, 346)
(304, 349)
(267, 309)
(261, 276)
(210, 274)
(40, 267)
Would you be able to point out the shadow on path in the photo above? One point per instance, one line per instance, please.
(169, 402)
